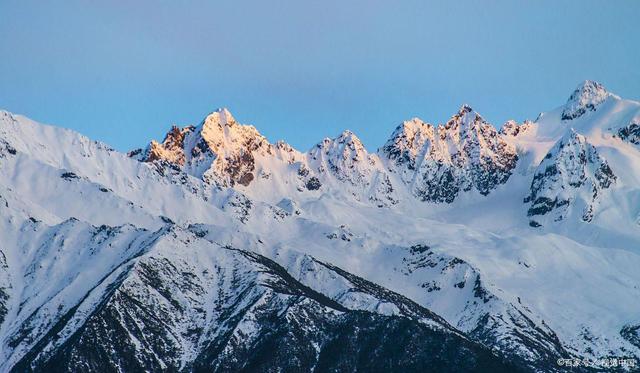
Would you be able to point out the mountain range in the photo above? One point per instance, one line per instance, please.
(460, 246)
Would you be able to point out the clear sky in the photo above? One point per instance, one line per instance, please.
(123, 71)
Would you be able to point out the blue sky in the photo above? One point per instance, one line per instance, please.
(124, 71)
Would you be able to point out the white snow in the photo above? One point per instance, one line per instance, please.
(579, 278)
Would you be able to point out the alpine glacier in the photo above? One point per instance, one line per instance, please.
(454, 247)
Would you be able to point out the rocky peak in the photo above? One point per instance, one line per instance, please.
(465, 116)
(438, 162)
(219, 150)
(464, 109)
(407, 142)
(467, 127)
(340, 154)
(219, 117)
(511, 128)
(346, 160)
(227, 150)
(350, 138)
(344, 147)
(570, 173)
(586, 97)
(172, 147)
(222, 134)
(287, 153)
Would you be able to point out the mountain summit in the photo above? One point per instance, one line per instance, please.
(218, 150)
(439, 162)
(586, 97)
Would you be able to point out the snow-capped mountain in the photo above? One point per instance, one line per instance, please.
(224, 153)
(438, 163)
(219, 150)
(344, 163)
(181, 303)
(587, 97)
(572, 173)
(458, 246)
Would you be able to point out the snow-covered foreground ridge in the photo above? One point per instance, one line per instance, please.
(454, 246)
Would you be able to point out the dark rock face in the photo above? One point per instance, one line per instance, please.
(368, 343)
(572, 170)
(438, 163)
(5, 285)
(313, 183)
(69, 176)
(632, 334)
(630, 133)
(172, 143)
(508, 327)
(240, 168)
(440, 185)
(232, 310)
(356, 341)
(6, 149)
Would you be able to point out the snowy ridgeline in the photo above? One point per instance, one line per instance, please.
(454, 246)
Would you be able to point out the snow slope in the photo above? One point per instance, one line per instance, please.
(522, 239)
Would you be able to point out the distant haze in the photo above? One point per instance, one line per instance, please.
(123, 72)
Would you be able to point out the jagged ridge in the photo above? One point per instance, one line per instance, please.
(440, 162)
